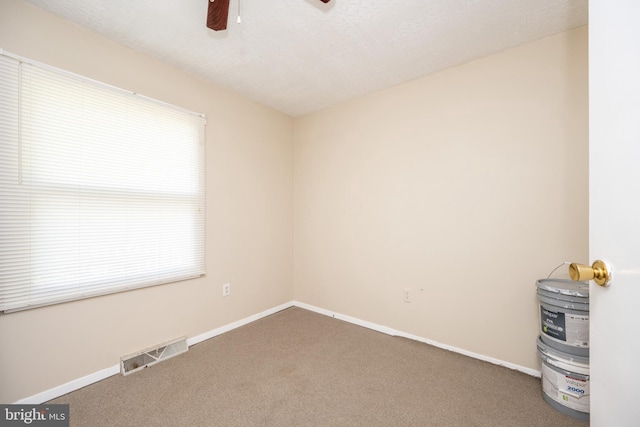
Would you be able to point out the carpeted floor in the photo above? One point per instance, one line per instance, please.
(299, 368)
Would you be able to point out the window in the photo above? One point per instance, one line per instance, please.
(101, 190)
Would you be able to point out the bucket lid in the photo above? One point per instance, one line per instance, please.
(563, 360)
(564, 287)
(558, 301)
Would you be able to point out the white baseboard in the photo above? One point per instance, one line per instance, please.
(234, 325)
(76, 384)
(393, 332)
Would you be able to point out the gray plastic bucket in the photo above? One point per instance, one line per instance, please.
(564, 315)
(565, 381)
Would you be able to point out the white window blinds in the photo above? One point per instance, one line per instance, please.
(101, 190)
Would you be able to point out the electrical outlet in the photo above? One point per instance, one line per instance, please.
(406, 295)
(226, 289)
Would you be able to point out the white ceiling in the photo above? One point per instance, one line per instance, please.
(299, 56)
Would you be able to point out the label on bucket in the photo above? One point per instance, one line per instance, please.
(570, 329)
(570, 392)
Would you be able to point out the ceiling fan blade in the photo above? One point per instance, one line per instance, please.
(217, 14)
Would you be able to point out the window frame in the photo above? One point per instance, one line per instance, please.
(58, 294)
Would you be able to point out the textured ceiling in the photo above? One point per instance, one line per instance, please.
(299, 56)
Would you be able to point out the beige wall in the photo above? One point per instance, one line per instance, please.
(469, 184)
(249, 219)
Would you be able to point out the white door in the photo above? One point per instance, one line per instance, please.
(614, 210)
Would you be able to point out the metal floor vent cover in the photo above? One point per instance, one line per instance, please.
(140, 360)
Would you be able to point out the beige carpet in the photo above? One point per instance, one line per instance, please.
(299, 368)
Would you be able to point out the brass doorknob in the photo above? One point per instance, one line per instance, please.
(598, 272)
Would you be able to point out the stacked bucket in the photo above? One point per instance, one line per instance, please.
(563, 345)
